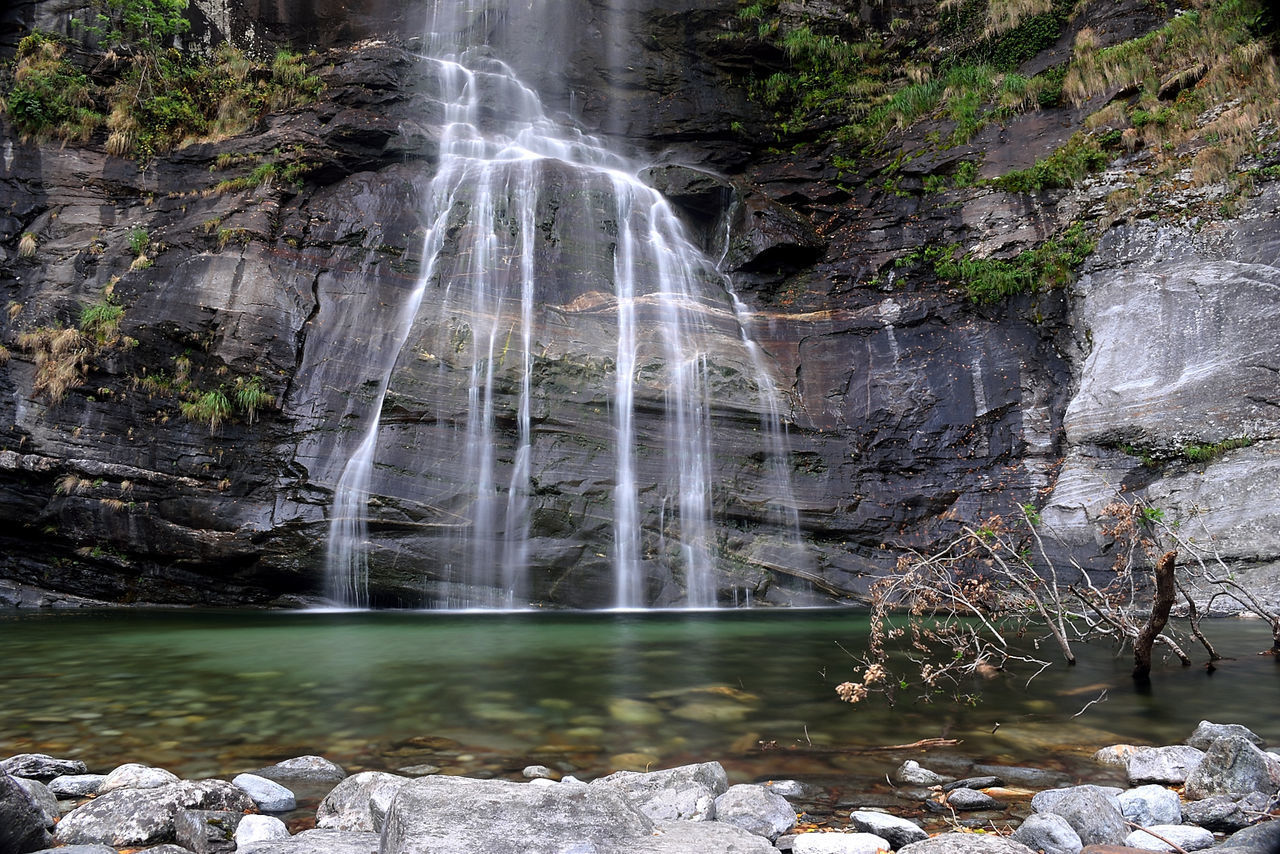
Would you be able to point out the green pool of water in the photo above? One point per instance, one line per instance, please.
(204, 693)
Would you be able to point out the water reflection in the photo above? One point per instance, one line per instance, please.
(215, 693)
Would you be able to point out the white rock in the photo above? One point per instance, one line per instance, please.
(1188, 837)
(1151, 804)
(134, 776)
(269, 795)
(839, 843)
(254, 830)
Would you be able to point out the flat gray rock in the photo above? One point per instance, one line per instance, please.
(1233, 766)
(133, 817)
(911, 773)
(1019, 775)
(456, 815)
(1048, 833)
(76, 785)
(1225, 813)
(1151, 804)
(359, 802)
(1185, 836)
(303, 769)
(1044, 801)
(1207, 733)
(1165, 765)
(897, 831)
(135, 776)
(970, 799)
(1259, 839)
(79, 849)
(839, 843)
(326, 842)
(703, 837)
(966, 843)
(40, 766)
(756, 810)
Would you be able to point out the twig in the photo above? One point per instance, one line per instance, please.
(1085, 707)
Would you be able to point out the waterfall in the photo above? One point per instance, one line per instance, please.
(505, 169)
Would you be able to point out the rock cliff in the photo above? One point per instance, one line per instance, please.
(912, 404)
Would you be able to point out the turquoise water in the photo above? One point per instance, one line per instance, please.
(220, 692)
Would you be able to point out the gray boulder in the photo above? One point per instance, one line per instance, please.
(303, 770)
(42, 798)
(910, 773)
(898, 831)
(1225, 812)
(1233, 765)
(755, 809)
(1048, 833)
(790, 788)
(456, 815)
(132, 817)
(839, 843)
(324, 842)
(686, 793)
(40, 766)
(703, 837)
(22, 825)
(81, 849)
(206, 831)
(135, 776)
(1092, 814)
(1044, 801)
(1166, 765)
(966, 843)
(76, 785)
(970, 799)
(255, 830)
(1207, 733)
(1185, 836)
(269, 795)
(1259, 839)
(359, 802)
(1151, 804)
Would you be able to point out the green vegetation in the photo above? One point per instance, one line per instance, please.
(159, 97)
(211, 407)
(1082, 155)
(1193, 452)
(100, 322)
(245, 395)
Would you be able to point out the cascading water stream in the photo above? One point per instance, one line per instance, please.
(484, 214)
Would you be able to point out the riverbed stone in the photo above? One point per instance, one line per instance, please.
(456, 815)
(22, 824)
(981, 782)
(81, 849)
(76, 785)
(911, 773)
(134, 776)
(1166, 765)
(970, 799)
(966, 843)
(256, 830)
(703, 837)
(131, 817)
(756, 809)
(320, 841)
(532, 772)
(1044, 801)
(1186, 836)
(1092, 814)
(1233, 765)
(269, 795)
(206, 831)
(1225, 812)
(1259, 839)
(40, 766)
(1019, 775)
(687, 792)
(42, 798)
(1048, 833)
(1206, 733)
(840, 843)
(790, 789)
(359, 802)
(1151, 804)
(1115, 754)
(898, 831)
(303, 769)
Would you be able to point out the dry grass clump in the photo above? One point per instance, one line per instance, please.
(27, 246)
(61, 357)
(1005, 15)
